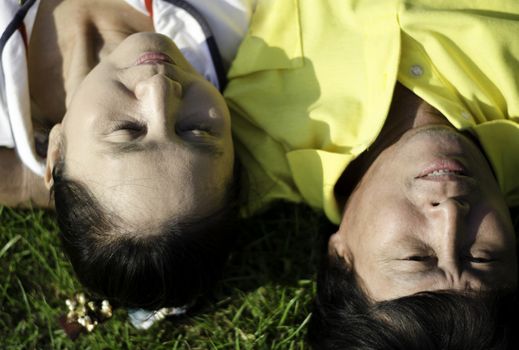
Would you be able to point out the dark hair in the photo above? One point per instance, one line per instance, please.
(344, 318)
(170, 267)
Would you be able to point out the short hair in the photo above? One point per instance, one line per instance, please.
(344, 318)
(167, 268)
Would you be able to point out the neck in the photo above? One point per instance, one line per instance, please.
(69, 38)
(407, 111)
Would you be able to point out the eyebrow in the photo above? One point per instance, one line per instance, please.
(132, 147)
(412, 243)
(138, 147)
(207, 148)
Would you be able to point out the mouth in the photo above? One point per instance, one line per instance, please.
(153, 58)
(443, 170)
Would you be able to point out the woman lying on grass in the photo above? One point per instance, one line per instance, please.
(409, 141)
(140, 157)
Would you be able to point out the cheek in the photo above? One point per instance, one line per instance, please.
(376, 232)
(379, 212)
(494, 223)
(203, 93)
(496, 233)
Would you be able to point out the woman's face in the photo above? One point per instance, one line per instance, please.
(148, 135)
(428, 215)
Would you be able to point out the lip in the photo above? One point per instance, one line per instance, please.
(443, 170)
(152, 57)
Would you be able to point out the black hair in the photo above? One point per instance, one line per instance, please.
(345, 318)
(167, 268)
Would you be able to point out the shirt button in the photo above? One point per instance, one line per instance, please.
(416, 70)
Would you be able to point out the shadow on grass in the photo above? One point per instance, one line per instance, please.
(271, 269)
(280, 247)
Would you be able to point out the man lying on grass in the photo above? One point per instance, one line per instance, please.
(409, 140)
(426, 215)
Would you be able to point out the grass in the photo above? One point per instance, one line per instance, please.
(262, 302)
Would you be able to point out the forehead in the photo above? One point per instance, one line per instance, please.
(150, 187)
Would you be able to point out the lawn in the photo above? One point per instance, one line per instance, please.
(262, 302)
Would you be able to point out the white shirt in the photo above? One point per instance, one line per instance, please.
(194, 26)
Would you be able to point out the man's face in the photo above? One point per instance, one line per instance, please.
(428, 215)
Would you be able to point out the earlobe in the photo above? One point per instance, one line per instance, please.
(53, 154)
(337, 246)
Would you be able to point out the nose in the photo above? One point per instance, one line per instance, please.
(450, 207)
(448, 221)
(159, 98)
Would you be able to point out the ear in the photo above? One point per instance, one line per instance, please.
(53, 154)
(337, 246)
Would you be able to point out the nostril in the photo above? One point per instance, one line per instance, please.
(435, 204)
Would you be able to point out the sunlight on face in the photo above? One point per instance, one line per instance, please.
(428, 215)
(148, 135)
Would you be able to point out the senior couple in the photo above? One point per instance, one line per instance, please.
(398, 119)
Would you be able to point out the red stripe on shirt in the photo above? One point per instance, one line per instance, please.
(149, 7)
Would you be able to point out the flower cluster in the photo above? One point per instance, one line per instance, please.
(87, 313)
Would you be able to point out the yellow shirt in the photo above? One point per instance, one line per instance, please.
(312, 83)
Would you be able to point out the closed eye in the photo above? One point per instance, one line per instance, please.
(126, 130)
(199, 129)
(197, 133)
(480, 260)
(419, 258)
(133, 127)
